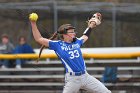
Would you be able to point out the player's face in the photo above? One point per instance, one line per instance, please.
(70, 35)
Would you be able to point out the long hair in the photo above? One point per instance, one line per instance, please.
(42, 47)
(61, 30)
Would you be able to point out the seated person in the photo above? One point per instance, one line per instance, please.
(22, 48)
(6, 47)
(110, 75)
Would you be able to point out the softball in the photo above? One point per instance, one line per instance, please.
(33, 17)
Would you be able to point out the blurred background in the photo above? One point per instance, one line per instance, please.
(120, 25)
(120, 28)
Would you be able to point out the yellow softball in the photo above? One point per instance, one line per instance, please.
(33, 16)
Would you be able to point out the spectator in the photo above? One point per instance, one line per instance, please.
(6, 47)
(110, 75)
(22, 48)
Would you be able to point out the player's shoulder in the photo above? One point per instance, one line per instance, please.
(80, 38)
(55, 41)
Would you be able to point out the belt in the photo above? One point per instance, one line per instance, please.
(77, 73)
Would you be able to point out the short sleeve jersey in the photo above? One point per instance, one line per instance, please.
(70, 54)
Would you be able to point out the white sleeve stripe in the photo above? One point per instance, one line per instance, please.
(86, 30)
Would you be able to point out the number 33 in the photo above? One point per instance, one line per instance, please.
(74, 54)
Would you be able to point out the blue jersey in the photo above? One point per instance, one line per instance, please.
(70, 54)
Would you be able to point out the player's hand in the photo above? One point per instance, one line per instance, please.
(91, 24)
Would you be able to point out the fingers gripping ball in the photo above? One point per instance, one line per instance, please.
(97, 17)
(33, 17)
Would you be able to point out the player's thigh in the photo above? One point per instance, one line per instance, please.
(72, 85)
(95, 86)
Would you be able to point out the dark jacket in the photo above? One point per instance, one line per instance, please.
(22, 49)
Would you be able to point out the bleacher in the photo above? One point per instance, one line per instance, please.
(48, 76)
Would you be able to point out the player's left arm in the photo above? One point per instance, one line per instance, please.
(92, 23)
(88, 31)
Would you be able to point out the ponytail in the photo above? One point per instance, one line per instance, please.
(42, 47)
(61, 30)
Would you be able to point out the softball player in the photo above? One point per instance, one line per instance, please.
(69, 52)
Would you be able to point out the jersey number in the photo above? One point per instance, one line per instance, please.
(74, 54)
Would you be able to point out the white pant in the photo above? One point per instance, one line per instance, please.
(74, 83)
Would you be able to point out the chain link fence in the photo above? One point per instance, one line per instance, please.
(119, 28)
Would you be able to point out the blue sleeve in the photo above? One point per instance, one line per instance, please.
(80, 41)
(53, 45)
